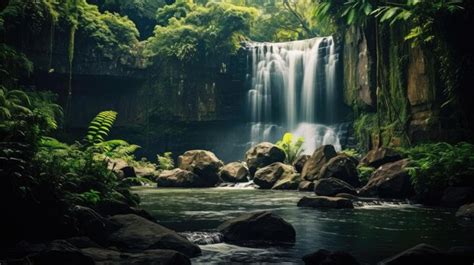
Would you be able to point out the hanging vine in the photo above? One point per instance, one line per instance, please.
(73, 24)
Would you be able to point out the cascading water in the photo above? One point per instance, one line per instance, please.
(293, 88)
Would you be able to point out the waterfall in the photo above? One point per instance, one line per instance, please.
(293, 88)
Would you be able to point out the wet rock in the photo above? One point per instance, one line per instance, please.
(377, 157)
(389, 181)
(325, 202)
(457, 196)
(257, 228)
(262, 155)
(139, 234)
(111, 207)
(181, 178)
(152, 257)
(341, 167)
(306, 186)
(325, 257)
(82, 242)
(203, 163)
(332, 186)
(466, 212)
(59, 252)
(235, 172)
(320, 157)
(288, 182)
(419, 254)
(347, 196)
(267, 176)
(92, 224)
(461, 255)
(299, 162)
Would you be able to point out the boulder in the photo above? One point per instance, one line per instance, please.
(235, 172)
(109, 207)
(138, 234)
(419, 254)
(82, 242)
(325, 202)
(466, 212)
(332, 186)
(262, 155)
(306, 186)
(257, 228)
(389, 181)
(325, 257)
(299, 162)
(203, 163)
(267, 176)
(320, 157)
(348, 196)
(59, 252)
(92, 224)
(181, 178)
(377, 157)
(152, 257)
(341, 167)
(128, 172)
(457, 196)
(288, 182)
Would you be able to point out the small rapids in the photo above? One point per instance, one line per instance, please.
(203, 238)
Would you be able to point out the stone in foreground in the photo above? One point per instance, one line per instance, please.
(181, 178)
(325, 257)
(139, 234)
(332, 186)
(257, 228)
(325, 202)
(235, 172)
(266, 177)
(262, 155)
(151, 257)
(419, 254)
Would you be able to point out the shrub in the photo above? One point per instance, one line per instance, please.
(165, 161)
(291, 147)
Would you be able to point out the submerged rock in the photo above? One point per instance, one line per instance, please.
(203, 163)
(377, 157)
(139, 234)
(267, 176)
(181, 178)
(341, 167)
(326, 257)
(257, 228)
(299, 162)
(325, 202)
(332, 186)
(306, 186)
(235, 172)
(152, 257)
(315, 163)
(262, 155)
(389, 181)
(466, 212)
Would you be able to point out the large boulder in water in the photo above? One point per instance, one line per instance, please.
(325, 257)
(151, 257)
(262, 155)
(419, 254)
(315, 163)
(466, 212)
(182, 178)
(139, 234)
(306, 186)
(300, 161)
(332, 186)
(203, 163)
(257, 228)
(288, 182)
(267, 176)
(325, 202)
(380, 156)
(389, 181)
(235, 172)
(341, 167)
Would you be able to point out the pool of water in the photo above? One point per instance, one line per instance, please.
(369, 232)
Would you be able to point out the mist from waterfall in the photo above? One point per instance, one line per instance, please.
(293, 88)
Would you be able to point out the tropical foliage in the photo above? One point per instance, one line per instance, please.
(291, 146)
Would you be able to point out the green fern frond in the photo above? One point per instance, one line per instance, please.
(100, 126)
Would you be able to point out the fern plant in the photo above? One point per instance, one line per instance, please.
(165, 161)
(100, 126)
(291, 147)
